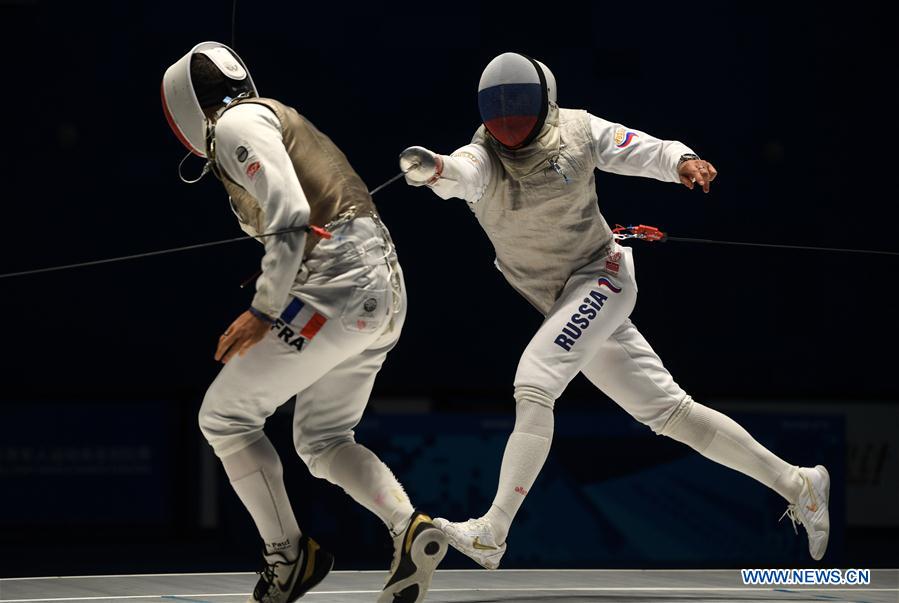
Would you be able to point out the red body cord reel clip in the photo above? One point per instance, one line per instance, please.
(318, 230)
(641, 231)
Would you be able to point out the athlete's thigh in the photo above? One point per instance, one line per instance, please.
(593, 304)
(301, 346)
(332, 406)
(628, 371)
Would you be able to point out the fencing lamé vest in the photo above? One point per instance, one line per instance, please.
(330, 184)
(545, 225)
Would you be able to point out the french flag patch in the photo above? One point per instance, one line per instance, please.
(310, 321)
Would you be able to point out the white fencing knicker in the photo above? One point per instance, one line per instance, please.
(588, 330)
(326, 348)
(344, 315)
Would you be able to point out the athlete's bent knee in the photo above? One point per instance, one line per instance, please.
(535, 395)
(534, 412)
(227, 433)
(688, 426)
(318, 458)
(208, 418)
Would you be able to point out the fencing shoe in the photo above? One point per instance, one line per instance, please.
(474, 538)
(417, 551)
(811, 509)
(283, 581)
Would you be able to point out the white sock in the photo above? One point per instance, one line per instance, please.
(721, 439)
(257, 476)
(369, 482)
(526, 451)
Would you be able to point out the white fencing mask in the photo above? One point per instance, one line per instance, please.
(183, 104)
(514, 96)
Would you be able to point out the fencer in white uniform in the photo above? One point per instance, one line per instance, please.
(329, 305)
(528, 177)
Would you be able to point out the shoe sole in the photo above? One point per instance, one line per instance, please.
(320, 580)
(823, 470)
(428, 550)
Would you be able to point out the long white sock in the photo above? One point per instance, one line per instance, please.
(257, 476)
(721, 439)
(368, 481)
(526, 451)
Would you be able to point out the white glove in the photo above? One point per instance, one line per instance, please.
(420, 166)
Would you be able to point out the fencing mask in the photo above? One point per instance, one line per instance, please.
(224, 76)
(514, 95)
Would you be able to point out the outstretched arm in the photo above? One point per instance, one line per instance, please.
(464, 174)
(621, 150)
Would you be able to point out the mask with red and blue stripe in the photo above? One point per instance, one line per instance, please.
(513, 99)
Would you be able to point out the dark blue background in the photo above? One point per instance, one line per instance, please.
(793, 102)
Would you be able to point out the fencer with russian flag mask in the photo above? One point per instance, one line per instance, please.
(329, 306)
(528, 177)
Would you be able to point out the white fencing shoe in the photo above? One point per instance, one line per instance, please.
(811, 510)
(475, 539)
